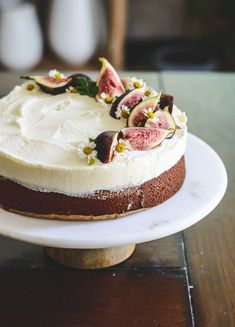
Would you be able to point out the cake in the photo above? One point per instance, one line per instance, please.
(76, 149)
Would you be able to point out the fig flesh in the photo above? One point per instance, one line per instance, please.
(50, 84)
(141, 138)
(129, 99)
(162, 120)
(166, 100)
(105, 145)
(108, 80)
(138, 114)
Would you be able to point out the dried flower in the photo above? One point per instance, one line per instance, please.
(31, 86)
(149, 113)
(149, 93)
(135, 83)
(105, 98)
(87, 151)
(181, 120)
(55, 74)
(71, 89)
(121, 147)
(123, 112)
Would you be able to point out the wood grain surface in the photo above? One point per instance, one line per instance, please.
(150, 289)
(93, 298)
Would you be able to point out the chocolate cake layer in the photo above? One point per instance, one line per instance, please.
(100, 205)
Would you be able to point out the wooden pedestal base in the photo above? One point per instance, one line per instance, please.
(91, 258)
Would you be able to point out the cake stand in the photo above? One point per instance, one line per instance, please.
(100, 244)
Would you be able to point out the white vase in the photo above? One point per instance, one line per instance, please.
(9, 3)
(20, 37)
(73, 30)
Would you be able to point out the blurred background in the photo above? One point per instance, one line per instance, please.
(157, 35)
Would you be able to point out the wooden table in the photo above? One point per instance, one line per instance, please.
(187, 279)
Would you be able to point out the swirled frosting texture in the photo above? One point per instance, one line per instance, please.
(40, 133)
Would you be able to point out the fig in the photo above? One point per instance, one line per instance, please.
(128, 99)
(108, 80)
(141, 138)
(105, 145)
(162, 120)
(166, 100)
(138, 114)
(50, 84)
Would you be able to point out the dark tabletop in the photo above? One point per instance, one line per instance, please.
(186, 279)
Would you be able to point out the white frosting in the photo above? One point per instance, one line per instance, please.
(40, 133)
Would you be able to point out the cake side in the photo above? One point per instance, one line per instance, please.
(82, 181)
(101, 205)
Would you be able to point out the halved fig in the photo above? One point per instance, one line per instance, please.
(141, 138)
(138, 114)
(105, 145)
(129, 99)
(166, 100)
(108, 80)
(50, 84)
(163, 120)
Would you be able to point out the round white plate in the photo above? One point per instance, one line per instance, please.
(203, 189)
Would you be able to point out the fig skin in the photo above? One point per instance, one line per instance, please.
(166, 100)
(51, 85)
(137, 116)
(130, 99)
(105, 144)
(142, 139)
(165, 121)
(108, 80)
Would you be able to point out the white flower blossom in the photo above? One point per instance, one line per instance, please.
(123, 112)
(71, 89)
(103, 95)
(149, 93)
(31, 86)
(102, 99)
(105, 99)
(55, 74)
(181, 120)
(148, 112)
(135, 83)
(87, 150)
(122, 147)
